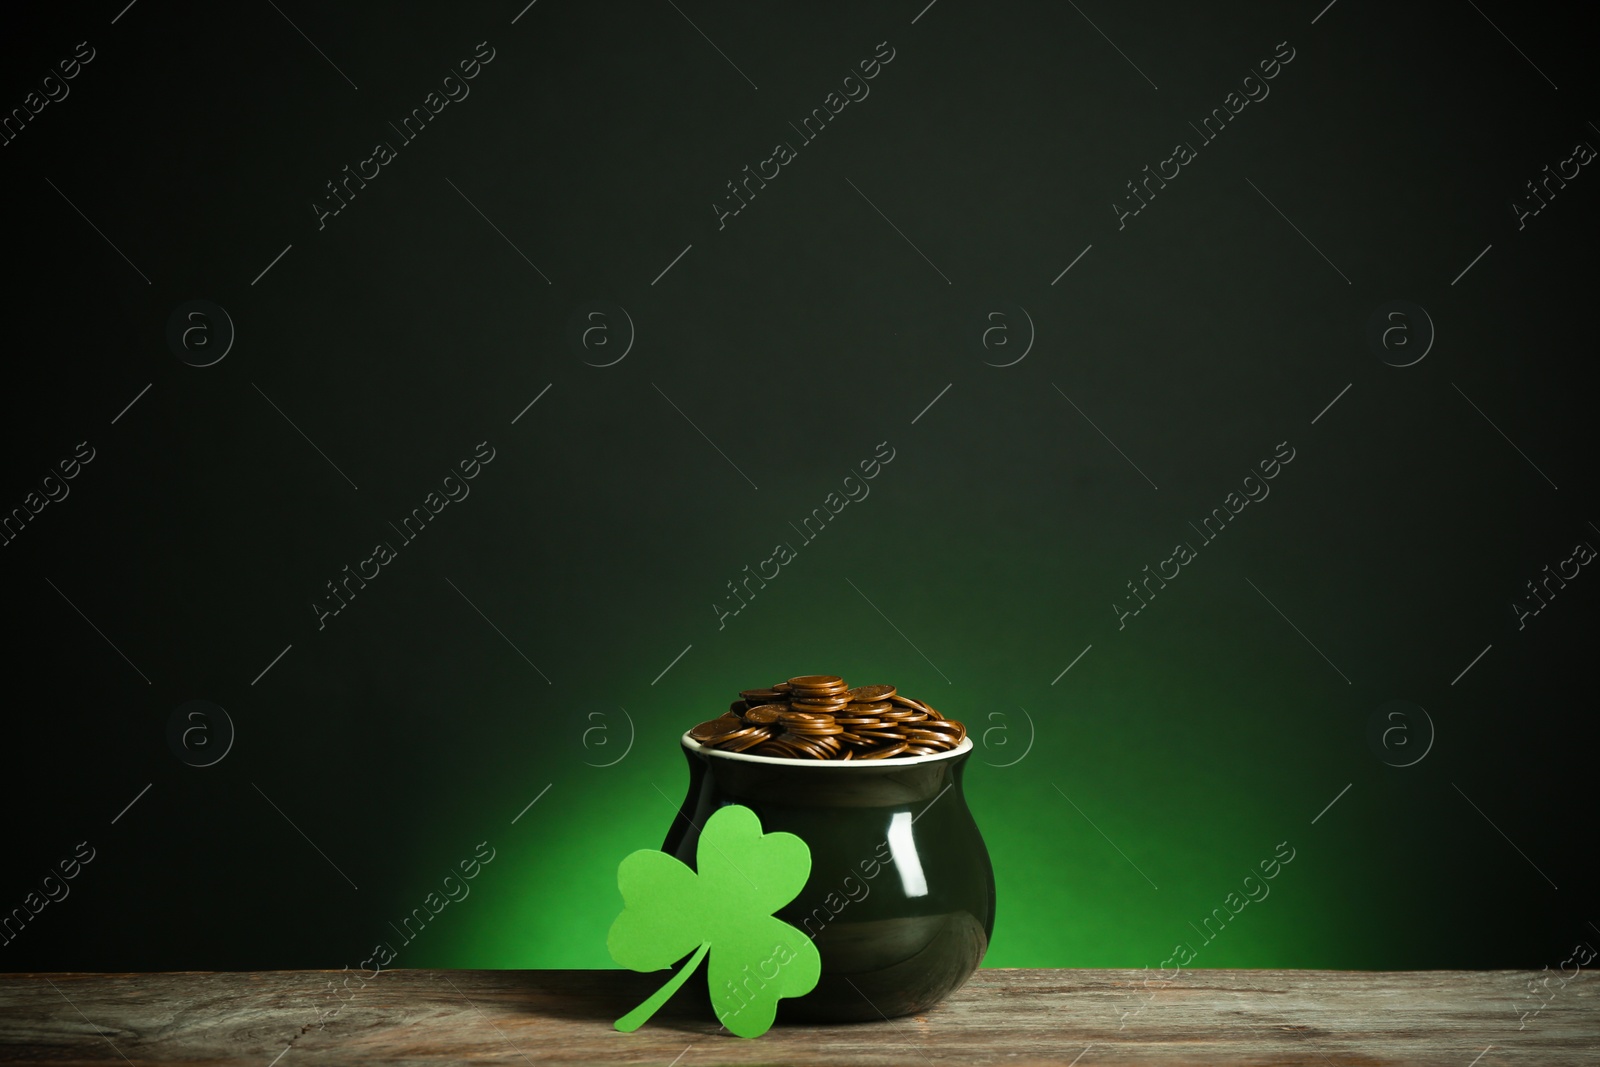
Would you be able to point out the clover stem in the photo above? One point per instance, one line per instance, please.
(640, 1015)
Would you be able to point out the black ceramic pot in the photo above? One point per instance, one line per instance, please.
(900, 902)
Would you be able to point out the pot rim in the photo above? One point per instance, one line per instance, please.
(882, 764)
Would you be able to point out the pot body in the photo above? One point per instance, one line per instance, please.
(900, 900)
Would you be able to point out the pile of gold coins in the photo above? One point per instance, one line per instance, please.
(819, 716)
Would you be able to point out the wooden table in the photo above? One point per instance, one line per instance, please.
(1089, 1018)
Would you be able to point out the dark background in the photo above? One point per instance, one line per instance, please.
(520, 649)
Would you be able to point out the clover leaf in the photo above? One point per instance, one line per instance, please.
(724, 910)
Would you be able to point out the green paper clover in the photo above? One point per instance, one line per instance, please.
(726, 910)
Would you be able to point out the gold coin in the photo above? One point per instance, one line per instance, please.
(885, 753)
(813, 729)
(872, 693)
(766, 713)
(758, 734)
(733, 732)
(874, 738)
(790, 715)
(817, 681)
(808, 747)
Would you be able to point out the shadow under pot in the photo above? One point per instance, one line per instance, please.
(900, 900)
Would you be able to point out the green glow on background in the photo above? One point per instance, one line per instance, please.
(1194, 773)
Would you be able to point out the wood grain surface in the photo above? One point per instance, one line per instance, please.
(1085, 1017)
